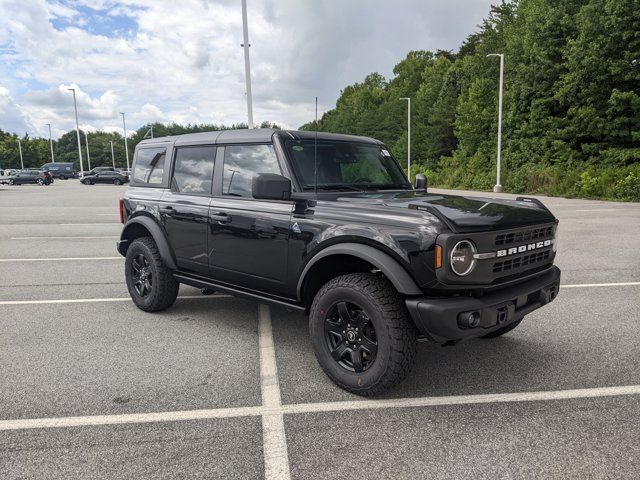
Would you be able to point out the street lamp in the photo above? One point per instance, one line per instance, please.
(20, 150)
(498, 187)
(126, 149)
(408, 135)
(86, 141)
(247, 67)
(113, 159)
(53, 160)
(75, 106)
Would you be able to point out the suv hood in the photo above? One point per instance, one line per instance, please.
(464, 214)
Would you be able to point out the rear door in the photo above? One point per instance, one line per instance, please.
(248, 238)
(185, 206)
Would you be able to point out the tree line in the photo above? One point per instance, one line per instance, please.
(36, 151)
(571, 114)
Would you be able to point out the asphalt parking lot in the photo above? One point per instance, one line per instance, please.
(217, 387)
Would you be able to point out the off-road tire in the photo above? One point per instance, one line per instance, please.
(396, 334)
(503, 330)
(164, 288)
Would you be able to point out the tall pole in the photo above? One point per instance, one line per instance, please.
(86, 142)
(53, 160)
(247, 66)
(498, 186)
(408, 136)
(20, 150)
(75, 106)
(126, 148)
(151, 128)
(113, 158)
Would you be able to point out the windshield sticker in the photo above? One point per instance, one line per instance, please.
(297, 148)
(385, 153)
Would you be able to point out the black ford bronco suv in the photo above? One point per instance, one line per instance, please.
(329, 225)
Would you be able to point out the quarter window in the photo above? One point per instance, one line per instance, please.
(193, 170)
(242, 163)
(149, 165)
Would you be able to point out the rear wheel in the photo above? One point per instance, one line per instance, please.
(149, 281)
(503, 330)
(62, 177)
(361, 333)
(40, 182)
(117, 182)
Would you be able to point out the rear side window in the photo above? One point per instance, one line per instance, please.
(193, 170)
(242, 163)
(149, 165)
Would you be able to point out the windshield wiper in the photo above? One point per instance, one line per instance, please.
(336, 187)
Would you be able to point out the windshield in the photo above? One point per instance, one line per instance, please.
(344, 165)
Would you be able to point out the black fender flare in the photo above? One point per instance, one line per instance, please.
(389, 266)
(158, 236)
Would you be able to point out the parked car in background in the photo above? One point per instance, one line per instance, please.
(25, 177)
(106, 176)
(96, 170)
(61, 170)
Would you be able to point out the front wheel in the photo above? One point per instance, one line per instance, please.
(361, 333)
(149, 281)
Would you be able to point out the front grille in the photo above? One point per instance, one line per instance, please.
(523, 261)
(524, 236)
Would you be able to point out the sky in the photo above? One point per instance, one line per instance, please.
(182, 61)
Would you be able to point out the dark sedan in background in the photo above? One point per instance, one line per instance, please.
(105, 176)
(24, 177)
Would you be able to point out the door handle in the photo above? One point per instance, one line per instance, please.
(167, 210)
(220, 217)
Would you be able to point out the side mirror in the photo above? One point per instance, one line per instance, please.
(271, 186)
(420, 182)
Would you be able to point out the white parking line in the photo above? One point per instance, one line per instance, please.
(292, 409)
(58, 259)
(85, 224)
(65, 238)
(590, 285)
(274, 440)
(98, 300)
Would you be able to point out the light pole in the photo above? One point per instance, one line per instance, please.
(86, 141)
(498, 187)
(53, 160)
(75, 106)
(408, 136)
(20, 150)
(126, 149)
(247, 67)
(113, 159)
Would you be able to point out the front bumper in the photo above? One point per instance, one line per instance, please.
(445, 319)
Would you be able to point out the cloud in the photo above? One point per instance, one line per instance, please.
(11, 115)
(185, 59)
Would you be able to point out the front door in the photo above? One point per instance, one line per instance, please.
(248, 238)
(185, 207)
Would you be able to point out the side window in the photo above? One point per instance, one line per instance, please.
(242, 163)
(193, 170)
(149, 165)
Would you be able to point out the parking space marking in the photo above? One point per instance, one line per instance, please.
(590, 285)
(58, 259)
(65, 238)
(85, 224)
(98, 300)
(274, 440)
(300, 408)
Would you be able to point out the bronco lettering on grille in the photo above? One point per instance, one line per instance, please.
(523, 248)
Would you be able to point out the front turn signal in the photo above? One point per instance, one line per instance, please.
(438, 256)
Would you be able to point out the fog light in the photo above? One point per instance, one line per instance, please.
(469, 319)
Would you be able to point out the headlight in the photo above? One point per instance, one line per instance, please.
(462, 261)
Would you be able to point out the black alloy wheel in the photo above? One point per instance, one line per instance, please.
(350, 336)
(40, 182)
(142, 275)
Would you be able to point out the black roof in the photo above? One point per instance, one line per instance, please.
(255, 135)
